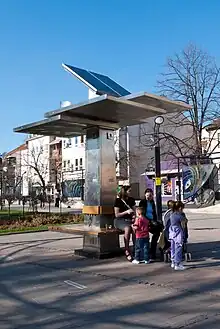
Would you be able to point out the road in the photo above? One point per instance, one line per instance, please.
(43, 285)
(64, 209)
(53, 209)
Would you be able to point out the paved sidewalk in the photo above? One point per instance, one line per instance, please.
(43, 285)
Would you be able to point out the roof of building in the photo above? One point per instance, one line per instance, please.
(215, 124)
(17, 149)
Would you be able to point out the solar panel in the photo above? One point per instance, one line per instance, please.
(98, 82)
(112, 84)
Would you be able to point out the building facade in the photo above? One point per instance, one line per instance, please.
(42, 165)
(13, 172)
(211, 141)
(58, 164)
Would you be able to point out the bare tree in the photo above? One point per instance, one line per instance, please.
(175, 139)
(37, 166)
(193, 77)
(125, 158)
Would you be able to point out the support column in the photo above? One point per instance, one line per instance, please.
(100, 193)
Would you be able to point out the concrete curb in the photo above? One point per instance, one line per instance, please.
(64, 230)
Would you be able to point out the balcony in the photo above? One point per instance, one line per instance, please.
(56, 154)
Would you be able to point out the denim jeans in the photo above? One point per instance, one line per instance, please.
(142, 249)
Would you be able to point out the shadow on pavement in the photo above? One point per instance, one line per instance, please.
(33, 292)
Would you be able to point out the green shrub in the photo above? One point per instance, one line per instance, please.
(39, 219)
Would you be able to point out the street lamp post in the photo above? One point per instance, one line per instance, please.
(158, 122)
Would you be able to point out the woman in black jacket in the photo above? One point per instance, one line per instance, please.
(124, 208)
(149, 207)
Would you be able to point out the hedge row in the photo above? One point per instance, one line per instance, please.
(36, 220)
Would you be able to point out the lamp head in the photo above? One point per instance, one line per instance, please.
(159, 120)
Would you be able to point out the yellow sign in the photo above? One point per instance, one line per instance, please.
(158, 181)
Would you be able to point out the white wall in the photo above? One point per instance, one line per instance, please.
(73, 155)
(211, 140)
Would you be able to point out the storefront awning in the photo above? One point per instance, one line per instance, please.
(163, 172)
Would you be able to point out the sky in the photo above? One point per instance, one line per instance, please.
(125, 39)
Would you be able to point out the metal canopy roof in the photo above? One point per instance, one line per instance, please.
(55, 126)
(104, 111)
(159, 102)
(110, 109)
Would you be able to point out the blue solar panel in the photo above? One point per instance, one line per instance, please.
(112, 84)
(101, 83)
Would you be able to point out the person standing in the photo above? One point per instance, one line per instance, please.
(166, 218)
(176, 235)
(164, 243)
(141, 228)
(57, 199)
(124, 208)
(41, 200)
(156, 227)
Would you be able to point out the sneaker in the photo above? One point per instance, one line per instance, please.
(179, 268)
(172, 265)
(135, 261)
(146, 262)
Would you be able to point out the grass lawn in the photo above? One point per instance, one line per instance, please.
(13, 212)
(24, 229)
(4, 214)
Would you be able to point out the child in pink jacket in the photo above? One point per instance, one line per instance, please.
(141, 228)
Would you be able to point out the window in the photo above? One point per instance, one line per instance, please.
(80, 163)
(166, 186)
(68, 164)
(76, 164)
(82, 139)
(64, 164)
(76, 141)
(69, 142)
(64, 143)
